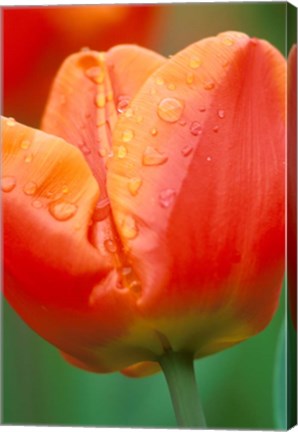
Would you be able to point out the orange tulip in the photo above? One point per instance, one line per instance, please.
(149, 213)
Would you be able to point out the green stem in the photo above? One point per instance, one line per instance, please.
(180, 375)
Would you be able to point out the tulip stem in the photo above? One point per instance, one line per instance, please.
(179, 371)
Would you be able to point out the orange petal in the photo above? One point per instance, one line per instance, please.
(198, 198)
(82, 109)
(142, 369)
(63, 287)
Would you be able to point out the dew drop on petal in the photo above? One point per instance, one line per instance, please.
(85, 150)
(209, 158)
(171, 86)
(102, 152)
(135, 286)
(121, 152)
(195, 128)
(65, 189)
(140, 119)
(100, 100)
(62, 210)
(189, 78)
(202, 109)
(10, 122)
(166, 198)
(129, 113)
(110, 246)
(186, 150)
(221, 113)
(28, 158)
(36, 204)
(134, 185)
(228, 41)
(30, 188)
(209, 85)
(170, 109)
(127, 135)
(153, 157)
(95, 74)
(25, 144)
(126, 271)
(215, 129)
(159, 81)
(122, 104)
(195, 62)
(154, 132)
(129, 228)
(8, 183)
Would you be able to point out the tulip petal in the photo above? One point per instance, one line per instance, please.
(198, 197)
(62, 286)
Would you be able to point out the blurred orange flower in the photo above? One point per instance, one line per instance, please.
(149, 214)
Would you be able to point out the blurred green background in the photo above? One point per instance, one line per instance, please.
(237, 385)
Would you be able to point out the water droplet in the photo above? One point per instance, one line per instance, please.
(209, 85)
(110, 246)
(187, 150)
(129, 113)
(166, 198)
(65, 189)
(109, 97)
(228, 41)
(123, 102)
(62, 210)
(25, 144)
(10, 122)
(126, 271)
(154, 131)
(195, 62)
(152, 156)
(195, 128)
(170, 109)
(100, 100)
(134, 185)
(85, 150)
(121, 152)
(159, 81)
(127, 135)
(8, 183)
(140, 119)
(95, 74)
(171, 86)
(254, 41)
(135, 286)
(209, 158)
(36, 204)
(28, 158)
(30, 188)
(129, 228)
(190, 78)
(215, 129)
(102, 152)
(221, 113)
(202, 109)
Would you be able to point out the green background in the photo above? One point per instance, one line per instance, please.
(238, 387)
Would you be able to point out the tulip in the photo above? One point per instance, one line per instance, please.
(144, 226)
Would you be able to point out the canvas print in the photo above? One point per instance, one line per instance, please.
(149, 215)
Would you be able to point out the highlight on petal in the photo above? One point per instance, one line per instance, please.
(204, 227)
(63, 287)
